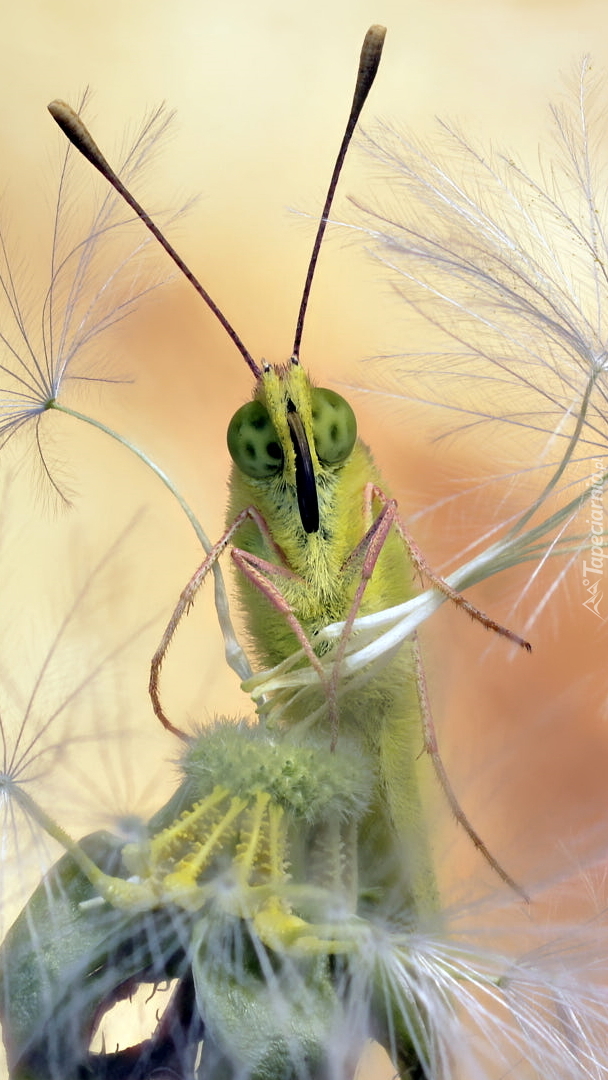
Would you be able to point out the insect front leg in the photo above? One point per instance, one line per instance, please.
(420, 564)
(370, 548)
(260, 573)
(187, 598)
(368, 552)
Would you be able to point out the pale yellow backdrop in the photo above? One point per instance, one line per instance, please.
(261, 92)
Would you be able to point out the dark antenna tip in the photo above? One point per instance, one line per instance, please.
(369, 61)
(78, 134)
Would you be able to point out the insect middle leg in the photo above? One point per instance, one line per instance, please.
(260, 573)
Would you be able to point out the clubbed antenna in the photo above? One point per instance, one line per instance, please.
(78, 134)
(368, 66)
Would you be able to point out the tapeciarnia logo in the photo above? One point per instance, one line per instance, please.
(593, 570)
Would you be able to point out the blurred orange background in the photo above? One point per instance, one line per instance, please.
(261, 93)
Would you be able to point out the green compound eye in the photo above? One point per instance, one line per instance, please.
(334, 426)
(253, 442)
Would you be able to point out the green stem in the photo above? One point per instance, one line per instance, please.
(128, 895)
(582, 415)
(235, 656)
(50, 826)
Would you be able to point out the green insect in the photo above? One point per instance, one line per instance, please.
(319, 541)
(325, 801)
